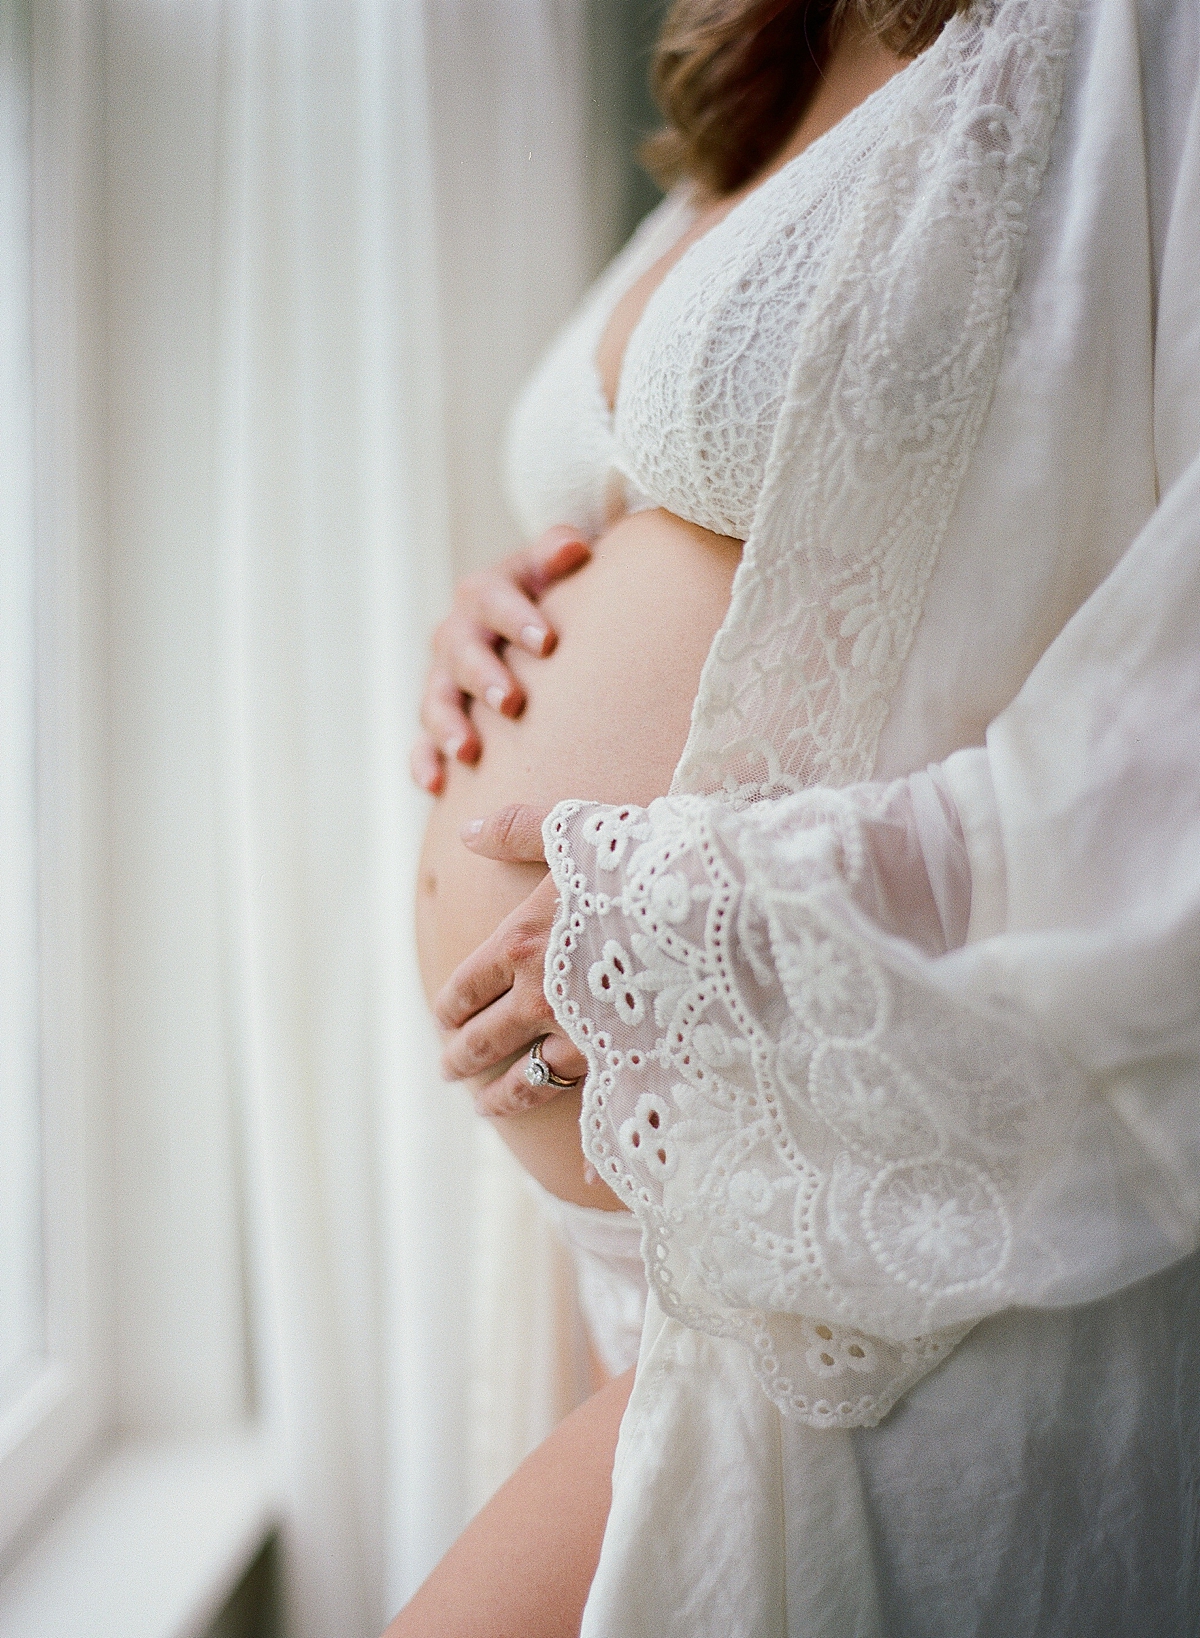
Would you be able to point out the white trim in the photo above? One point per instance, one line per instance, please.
(20, 1162)
(151, 1547)
(50, 1430)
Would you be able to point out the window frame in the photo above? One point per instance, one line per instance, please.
(20, 1162)
(53, 1426)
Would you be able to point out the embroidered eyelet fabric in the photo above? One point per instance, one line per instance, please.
(827, 1160)
(705, 371)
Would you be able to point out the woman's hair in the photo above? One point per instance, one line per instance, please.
(732, 76)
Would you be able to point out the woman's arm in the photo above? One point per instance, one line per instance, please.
(836, 1125)
(523, 1566)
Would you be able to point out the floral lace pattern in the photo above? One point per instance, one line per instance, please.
(706, 369)
(827, 1155)
(893, 370)
(826, 1158)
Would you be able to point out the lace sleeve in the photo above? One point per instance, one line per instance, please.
(830, 1156)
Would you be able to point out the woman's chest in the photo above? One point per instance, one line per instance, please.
(697, 344)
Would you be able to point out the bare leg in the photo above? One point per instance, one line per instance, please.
(523, 1566)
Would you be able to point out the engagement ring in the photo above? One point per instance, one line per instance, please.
(538, 1071)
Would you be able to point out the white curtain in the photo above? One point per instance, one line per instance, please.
(339, 232)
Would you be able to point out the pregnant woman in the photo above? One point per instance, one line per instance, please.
(663, 477)
(885, 433)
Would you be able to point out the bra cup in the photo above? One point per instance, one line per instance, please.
(706, 367)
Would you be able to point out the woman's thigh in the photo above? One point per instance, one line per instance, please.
(523, 1566)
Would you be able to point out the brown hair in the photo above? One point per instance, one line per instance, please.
(732, 76)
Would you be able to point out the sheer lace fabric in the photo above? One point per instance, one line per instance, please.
(827, 1160)
(705, 372)
(706, 369)
(1044, 1477)
(561, 456)
(892, 375)
(810, 1138)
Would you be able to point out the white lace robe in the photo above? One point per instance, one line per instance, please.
(979, 542)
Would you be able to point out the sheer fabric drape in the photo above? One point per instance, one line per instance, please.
(339, 233)
(417, 1318)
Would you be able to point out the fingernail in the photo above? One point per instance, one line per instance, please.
(454, 746)
(471, 829)
(495, 696)
(534, 638)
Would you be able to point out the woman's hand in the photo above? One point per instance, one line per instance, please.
(498, 605)
(494, 1004)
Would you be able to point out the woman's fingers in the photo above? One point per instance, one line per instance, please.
(495, 1005)
(494, 1002)
(428, 767)
(477, 670)
(492, 608)
(558, 552)
(512, 834)
(446, 722)
(511, 1093)
(503, 601)
(496, 604)
(475, 983)
(491, 1036)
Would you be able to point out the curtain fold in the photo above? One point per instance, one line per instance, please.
(412, 1325)
(290, 749)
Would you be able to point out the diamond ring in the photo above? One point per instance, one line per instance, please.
(539, 1073)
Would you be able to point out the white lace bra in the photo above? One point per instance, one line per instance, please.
(705, 369)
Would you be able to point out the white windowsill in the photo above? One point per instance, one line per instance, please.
(152, 1545)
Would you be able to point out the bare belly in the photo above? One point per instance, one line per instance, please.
(606, 719)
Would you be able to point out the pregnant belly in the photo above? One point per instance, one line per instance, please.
(606, 718)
